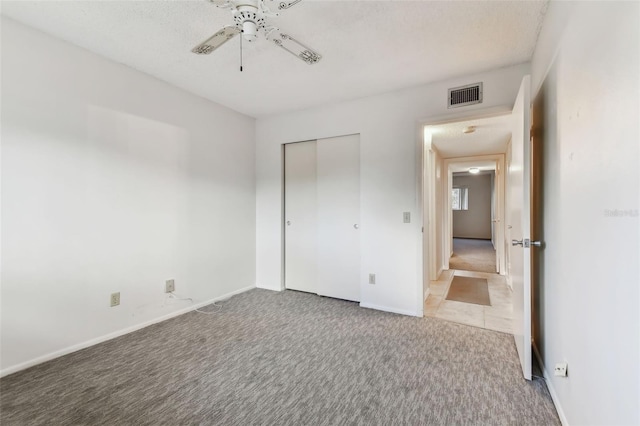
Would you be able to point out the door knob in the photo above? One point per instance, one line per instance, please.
(526, 243)
(355, 225)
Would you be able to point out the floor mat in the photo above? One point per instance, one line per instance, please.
(469, 290)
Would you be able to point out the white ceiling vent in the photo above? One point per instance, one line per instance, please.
(465, 95)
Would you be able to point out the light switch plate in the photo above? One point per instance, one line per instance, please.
(406, 217)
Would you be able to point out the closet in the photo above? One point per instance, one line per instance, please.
(322, 214)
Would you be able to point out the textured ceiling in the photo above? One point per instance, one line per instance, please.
(368, 47)
(491, 137)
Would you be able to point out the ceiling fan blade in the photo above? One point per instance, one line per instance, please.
(216, 40)
(221, 3)
(296, 48)
(287, 4)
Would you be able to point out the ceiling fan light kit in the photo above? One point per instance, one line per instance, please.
(250, 17)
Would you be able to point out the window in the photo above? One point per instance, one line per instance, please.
(460, 199)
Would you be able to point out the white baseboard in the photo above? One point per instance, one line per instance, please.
(392, 310)
(552, 390)
(92, 342)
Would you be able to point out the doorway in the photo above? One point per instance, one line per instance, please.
(516, 237)
(470, 237)
(476, 208)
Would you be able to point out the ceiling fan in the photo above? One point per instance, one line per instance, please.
(250, 17)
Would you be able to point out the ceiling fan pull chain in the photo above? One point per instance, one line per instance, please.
(241, 51)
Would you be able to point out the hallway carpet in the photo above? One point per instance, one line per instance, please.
(473, 255)
(284, 358)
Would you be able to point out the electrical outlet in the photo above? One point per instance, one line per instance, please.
(115, 299)
(406, 217)
(561, 369)
(372, 278)
(169, 286)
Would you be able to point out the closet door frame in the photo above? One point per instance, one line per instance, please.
(356, 221)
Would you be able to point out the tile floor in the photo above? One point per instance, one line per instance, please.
(495, 317)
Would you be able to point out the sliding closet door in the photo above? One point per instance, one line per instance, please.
(300, 216)
(338, 207)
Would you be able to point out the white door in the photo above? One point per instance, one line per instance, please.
(519, 175)
(339, 217)
(301, 225)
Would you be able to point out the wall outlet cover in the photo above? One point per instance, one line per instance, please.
(169, 286)
(115, 299)
(561, 369)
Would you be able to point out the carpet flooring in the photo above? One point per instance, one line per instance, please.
(469, 290)
(286, 358)
(473, 255)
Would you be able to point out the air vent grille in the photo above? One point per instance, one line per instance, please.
(465, 95)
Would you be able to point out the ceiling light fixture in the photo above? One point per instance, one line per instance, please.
(474, 170)
(469, 129)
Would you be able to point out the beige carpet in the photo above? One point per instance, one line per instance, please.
(473, 255)
(469, 290)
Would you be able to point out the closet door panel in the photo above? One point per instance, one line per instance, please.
(338, 216)
(301, 216)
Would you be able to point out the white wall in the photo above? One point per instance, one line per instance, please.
(587, 63)
(476, 221)
(389, 128)
(112, 181)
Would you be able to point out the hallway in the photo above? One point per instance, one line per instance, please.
(497, 317)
